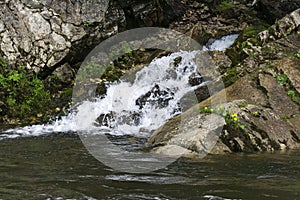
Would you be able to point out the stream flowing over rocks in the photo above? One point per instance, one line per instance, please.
(260, 70)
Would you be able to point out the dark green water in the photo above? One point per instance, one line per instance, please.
(58, 167)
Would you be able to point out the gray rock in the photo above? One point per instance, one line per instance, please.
(41, 34)
(38, 26)
(190, 134)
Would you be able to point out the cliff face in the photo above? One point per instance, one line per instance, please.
(43, 35)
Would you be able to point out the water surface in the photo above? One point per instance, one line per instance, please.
(57, 166)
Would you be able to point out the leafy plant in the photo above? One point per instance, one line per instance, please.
(294, 96)
(25, 93)
(230, 76)
(282, 79)
(86, 24)
(297, 55)
(288, 32)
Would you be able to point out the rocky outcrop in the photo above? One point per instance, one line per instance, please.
(44, 35)
(260, 106)
(270, 10)
(207, 19)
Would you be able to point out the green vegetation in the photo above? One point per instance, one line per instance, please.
(251, 31)
(287, 117)
(256, 114)
(125, 50)
(224, 5)
(243, 104)
(25, 93)
(293, 94)
(230, 118)
(111, 73)
(282, 79)
(86, 24)
(249, 35)
(244, 44)
(297, 55)
(230, 76)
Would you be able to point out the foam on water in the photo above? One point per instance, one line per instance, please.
(120, 104)
(222, 43)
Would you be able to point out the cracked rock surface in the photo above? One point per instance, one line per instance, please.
(46, 34)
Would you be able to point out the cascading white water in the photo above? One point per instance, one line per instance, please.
(162, 84)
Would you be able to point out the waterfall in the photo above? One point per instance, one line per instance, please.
(135, 107)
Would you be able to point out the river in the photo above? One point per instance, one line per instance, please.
(57, 166)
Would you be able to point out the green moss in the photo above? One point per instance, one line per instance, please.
(269, 66)
(244, 44)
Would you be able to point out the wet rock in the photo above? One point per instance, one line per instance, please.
(156, 97)
(101, 89)
(176, 62)
(105, 119)
(112, 119)
(195, 79)
(202, 93)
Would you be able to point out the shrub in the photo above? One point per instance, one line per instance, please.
(25, 93)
